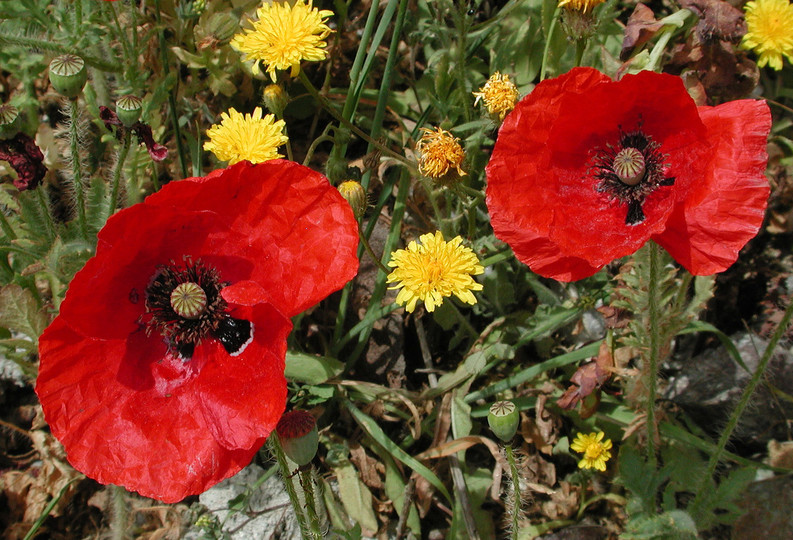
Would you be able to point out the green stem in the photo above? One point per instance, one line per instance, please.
(311, 510)
(122, 156)
(743, 402)
(286, 474)
(77, 180)
(651, 370)
(547, 49)
(460, 68)
(78, 14)
(370, 251)
(516, 504)
(177, 132)
(33, 43)
(580, 47)
(45, 212)
(118, 526)
(323, 101)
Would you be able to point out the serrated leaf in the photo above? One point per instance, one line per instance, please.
(20, 312)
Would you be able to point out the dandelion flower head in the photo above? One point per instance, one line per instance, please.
(595, 450)
(440, 152)
(246, 137)
(584, 6)
(285, 35)
(499, 95)
(769, 26)
(432, 270)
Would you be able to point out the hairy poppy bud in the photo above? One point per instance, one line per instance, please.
(297, 432)
(68, 75)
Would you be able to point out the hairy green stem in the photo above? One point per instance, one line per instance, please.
(516, 504)
(311, 509)
(654, 352)
(122, 156)
(286, 474)
(45, 212)
(743, 402)
(6, 226)
(118, 525)
(33, 43)
(77, 180)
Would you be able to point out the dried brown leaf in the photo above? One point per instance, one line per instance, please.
(642, 26)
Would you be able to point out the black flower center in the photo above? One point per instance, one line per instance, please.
(630, 171)
(183, 304)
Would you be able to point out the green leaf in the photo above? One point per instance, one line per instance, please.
(371, 427)
(309, 369)
(355, 496)
(20, 312)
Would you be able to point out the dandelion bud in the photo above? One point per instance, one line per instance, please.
(68, 75)
(128, 109)
(355, 194)
(503, 419)
(9, 121)
(274, 99)
(297, 432)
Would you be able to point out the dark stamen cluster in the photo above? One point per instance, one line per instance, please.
(602, 168)
(184, 334)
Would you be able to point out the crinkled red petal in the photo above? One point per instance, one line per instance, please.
(541, 199)
(303, 231)
(129, 413)
(725, 207)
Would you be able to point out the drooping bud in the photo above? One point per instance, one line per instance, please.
(188, 300)
(274, 99)
(355, 194)
(504, 418)
(9, 121)
(68, 75)
(297, 432)
(128, 109)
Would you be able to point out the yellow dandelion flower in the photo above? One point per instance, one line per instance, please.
(769, 32)
(595, 450)
(433, 270)
(249, 136)
(499, 95)
(584, 6)
(285, 35)
(440, 152)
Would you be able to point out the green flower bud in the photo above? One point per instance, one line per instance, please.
(9, 121)
(128, 109)
(355, 194)
(68, 75)
(504, 419)
(274, 99)
(297, 432)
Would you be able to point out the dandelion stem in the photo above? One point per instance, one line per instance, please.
(547, 49)
(580, 47)
(516, 504)
(311, 510)
(286, 474)
(651, 370)
(743, 402)
(122, 156)
(77, 179)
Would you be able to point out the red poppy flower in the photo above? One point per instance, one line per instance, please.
(164, 371)
(586, 170)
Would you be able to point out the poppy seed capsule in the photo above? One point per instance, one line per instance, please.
(68, 75)
(297, 432)
(128, 109)
(629, 166)
(503, 419)
(9, 121)
(355, 194)
(188, 300)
